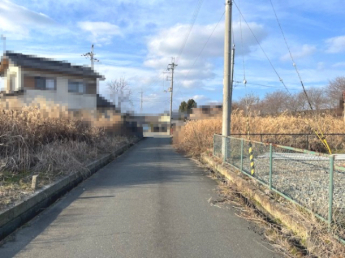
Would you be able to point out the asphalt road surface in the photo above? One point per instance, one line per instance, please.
(149, 202)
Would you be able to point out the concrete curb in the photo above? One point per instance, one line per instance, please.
(262, 201)
(16, 216)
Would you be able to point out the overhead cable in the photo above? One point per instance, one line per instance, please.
(195, 15)
(257, 41)
(202, 49)
(292, 59)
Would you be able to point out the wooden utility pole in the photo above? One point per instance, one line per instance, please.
(227, 81)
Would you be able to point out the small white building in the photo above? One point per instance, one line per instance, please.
(28, 78)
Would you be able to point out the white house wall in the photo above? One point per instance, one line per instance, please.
(16, 71)
(61, 96)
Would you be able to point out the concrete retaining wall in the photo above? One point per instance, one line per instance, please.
(16, 216)
(262, 200)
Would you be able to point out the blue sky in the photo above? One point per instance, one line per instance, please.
(136, 40)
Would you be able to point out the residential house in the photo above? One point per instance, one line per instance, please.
(206, 111)
(28, 78)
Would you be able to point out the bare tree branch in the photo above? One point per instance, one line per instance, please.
(119, 92)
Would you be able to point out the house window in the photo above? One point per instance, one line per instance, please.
(50, 84)
(42, 83)
(76, 87)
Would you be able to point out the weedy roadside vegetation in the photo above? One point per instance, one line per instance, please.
(319, 243)
(48, 142)
(196, 137)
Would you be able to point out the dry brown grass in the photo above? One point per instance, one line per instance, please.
(49, 142)
(197, 136)
(318, 243)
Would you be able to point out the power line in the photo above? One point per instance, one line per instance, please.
(292, 59)
(202, 49)
(258, 84)
(152, 101)
(257, 41)
(208, 39)
(195, 15)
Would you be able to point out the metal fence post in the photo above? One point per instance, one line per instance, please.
(330, 204)
(242, 144)
(271, 166)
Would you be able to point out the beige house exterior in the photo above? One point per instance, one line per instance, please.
(29, 78)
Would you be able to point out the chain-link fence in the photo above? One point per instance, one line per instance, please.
(313, 180)
(338, 211)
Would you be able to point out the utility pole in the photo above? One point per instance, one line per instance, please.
(91, 55)
(141, 101)
(4, 42)
(227, 81)
(344, 104)
(165, 79)
(171, 67)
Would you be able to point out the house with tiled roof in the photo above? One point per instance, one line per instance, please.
(28, 77)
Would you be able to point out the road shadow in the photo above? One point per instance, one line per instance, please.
(150, 163)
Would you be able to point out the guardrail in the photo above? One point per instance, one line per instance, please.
(312, 180)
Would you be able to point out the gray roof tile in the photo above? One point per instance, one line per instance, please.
(35, 62)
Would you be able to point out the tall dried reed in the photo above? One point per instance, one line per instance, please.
(197, 136)
(51, 142)
(25, 131)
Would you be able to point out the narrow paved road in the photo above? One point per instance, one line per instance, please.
(150, 202)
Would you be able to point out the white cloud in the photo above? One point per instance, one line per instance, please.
(101, 32)
(336, 44)
(320, 66)
(201, 99)
(17, 21)
(305, 51)
(169, 41)
(339, 64)
(193, 69)
(330, 6)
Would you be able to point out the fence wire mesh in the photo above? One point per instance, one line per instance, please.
(339, 201)
(233, 152)
(300, 175)
(260, 153)
(217, 145)
(303, 177)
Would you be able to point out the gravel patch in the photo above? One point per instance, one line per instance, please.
(303, 179)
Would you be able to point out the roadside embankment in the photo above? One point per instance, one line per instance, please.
(48, 142)
(43, 145)
(305, 228)
(17, 215)
(310, 234)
